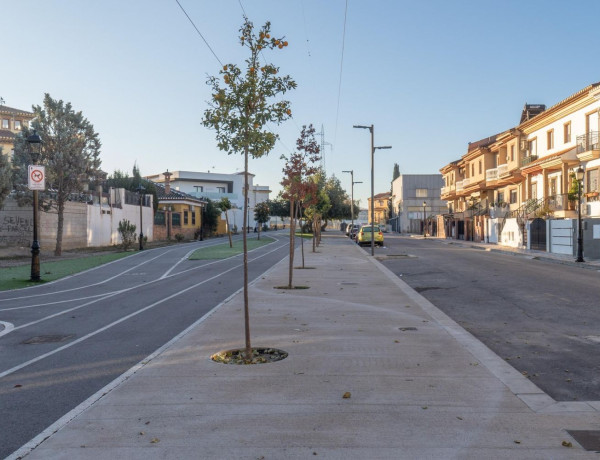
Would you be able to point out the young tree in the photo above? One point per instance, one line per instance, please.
(5, 177)
(279, 208)
(339, 202)
(225, 205)
(300, 164)
(261, 215)
(70, 149)
(211, 215)
(240, 109)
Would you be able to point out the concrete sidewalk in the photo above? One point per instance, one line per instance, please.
(421, 387)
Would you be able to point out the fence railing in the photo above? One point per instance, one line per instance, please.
(587, 142)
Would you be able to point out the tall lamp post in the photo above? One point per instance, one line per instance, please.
(424, 221)
(140, 191)
(579, 175)
(34, 147)
(352, 195)
(373, 148)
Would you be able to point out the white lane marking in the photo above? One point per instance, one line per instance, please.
(7, 328)
(58, 301)
(124, 318)
(177, 263)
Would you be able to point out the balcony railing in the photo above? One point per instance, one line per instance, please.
(587, 142)
(459, 186)
(528, 159)
(491, 174)
(466, 182)
(502, 170)
(445, 190)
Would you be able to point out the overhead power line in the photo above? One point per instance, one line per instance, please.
(337, 113)
(199, 33)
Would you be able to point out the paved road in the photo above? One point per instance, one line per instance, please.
(540, 316)
(64, 341)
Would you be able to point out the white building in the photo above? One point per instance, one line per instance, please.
(409, 192)
(215, 186)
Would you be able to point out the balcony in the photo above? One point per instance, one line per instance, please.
(216, 196)
(491, 175)
(466, 182)
(459, 186)
(525, 160)
(588, 147)
(502, 170)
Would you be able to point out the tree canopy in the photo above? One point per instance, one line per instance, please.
(5, 177)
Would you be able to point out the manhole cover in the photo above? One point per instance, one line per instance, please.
(589, 439)
(48, 339)
(407, 328)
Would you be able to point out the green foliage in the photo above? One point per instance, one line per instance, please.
(338, 200)
(261, 212)
(279, 207)
(211, 215)
(573, 194)
(225, 205)
(241, 106)
(120, 179)
(396, 172)
(179, 237)
(5, 177)
(127, 232)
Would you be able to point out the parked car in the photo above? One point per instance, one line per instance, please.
(354, 230)
(364, 235)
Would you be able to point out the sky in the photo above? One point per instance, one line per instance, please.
(430, 75)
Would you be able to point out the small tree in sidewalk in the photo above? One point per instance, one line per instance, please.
(225, 206)
(261, 215)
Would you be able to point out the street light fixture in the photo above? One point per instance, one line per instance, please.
(352, 195)
(579, 174)
(373, 148)
(140, 191)
(34, 148)
(424, 206)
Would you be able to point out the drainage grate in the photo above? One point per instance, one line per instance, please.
(48, 339)
(407, 328)
(589, 439)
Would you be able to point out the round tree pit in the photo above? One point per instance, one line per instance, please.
(259, 356)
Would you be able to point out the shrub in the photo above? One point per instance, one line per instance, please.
(127, 232)
(179, 237)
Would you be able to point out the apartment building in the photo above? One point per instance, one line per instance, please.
(512, 188)
(11, 123)
(381, 207)
(415, 200)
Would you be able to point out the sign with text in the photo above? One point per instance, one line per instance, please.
(36, 179)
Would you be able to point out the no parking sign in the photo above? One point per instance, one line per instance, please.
(36, 179)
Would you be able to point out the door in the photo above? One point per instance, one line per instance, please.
(537, 234)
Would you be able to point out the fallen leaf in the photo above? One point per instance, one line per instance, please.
(142, 433)
(396, 341)
(346, 395)
(154, 440)
(517, 442)
(424, 407)
(460, 418)
(567, 444)
(18, 385)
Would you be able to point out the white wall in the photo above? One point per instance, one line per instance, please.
(560, 235)
(511, 234)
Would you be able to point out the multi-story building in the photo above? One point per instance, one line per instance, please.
(381, 209)
(506, 187)
(11, 123)
(415, 200)
(215, 186)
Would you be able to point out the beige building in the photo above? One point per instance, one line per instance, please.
(11, 123)
(505, 187)
(381, 209)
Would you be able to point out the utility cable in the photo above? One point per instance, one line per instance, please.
(199, 33)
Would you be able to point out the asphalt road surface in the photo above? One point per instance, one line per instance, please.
(64, 341)
(542, 317)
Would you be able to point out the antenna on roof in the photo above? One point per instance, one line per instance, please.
(1, 100)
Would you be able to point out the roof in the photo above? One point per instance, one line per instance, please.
(6, 133)
(383, 195)
(174, 195)
(9, 110)
(530, 111)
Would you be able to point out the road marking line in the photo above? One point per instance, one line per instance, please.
(7, 327)
(56, 302)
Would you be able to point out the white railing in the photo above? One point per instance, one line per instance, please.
(459, 185)
(491, 174)
(445, 190)
(502, 170)
(466, 182)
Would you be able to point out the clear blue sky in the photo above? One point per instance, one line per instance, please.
(430, 75)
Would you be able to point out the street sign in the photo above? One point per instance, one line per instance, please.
(36, 179)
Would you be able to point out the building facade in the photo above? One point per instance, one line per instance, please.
(12, 121)
(215, 186)
(415, 201)
(381, 210)
(505, 188)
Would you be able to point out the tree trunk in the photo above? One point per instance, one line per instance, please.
(248, 353)
(59, 228)
(259, 225)
(228, 229)
(314, 236)
(292, 231)
(301, 232)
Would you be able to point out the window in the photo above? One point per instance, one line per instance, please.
(17, 124)
(472, 169)
(480, 167)
(5, 123)
(512, 153)
(567, 132)
(553, 182)
(380, 203)
(194, 217)
(500, 197)
(592, 180)
(199, 188)
(532, 146)
(176, 219)
(221, 189)
(421, 193)
(550, 139)
(513, 196)
(185, 217)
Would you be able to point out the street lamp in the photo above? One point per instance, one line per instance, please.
(140, 191)
(579, 175)
(352, 195)
(424, 206)
(373, 148)
(34, 148)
